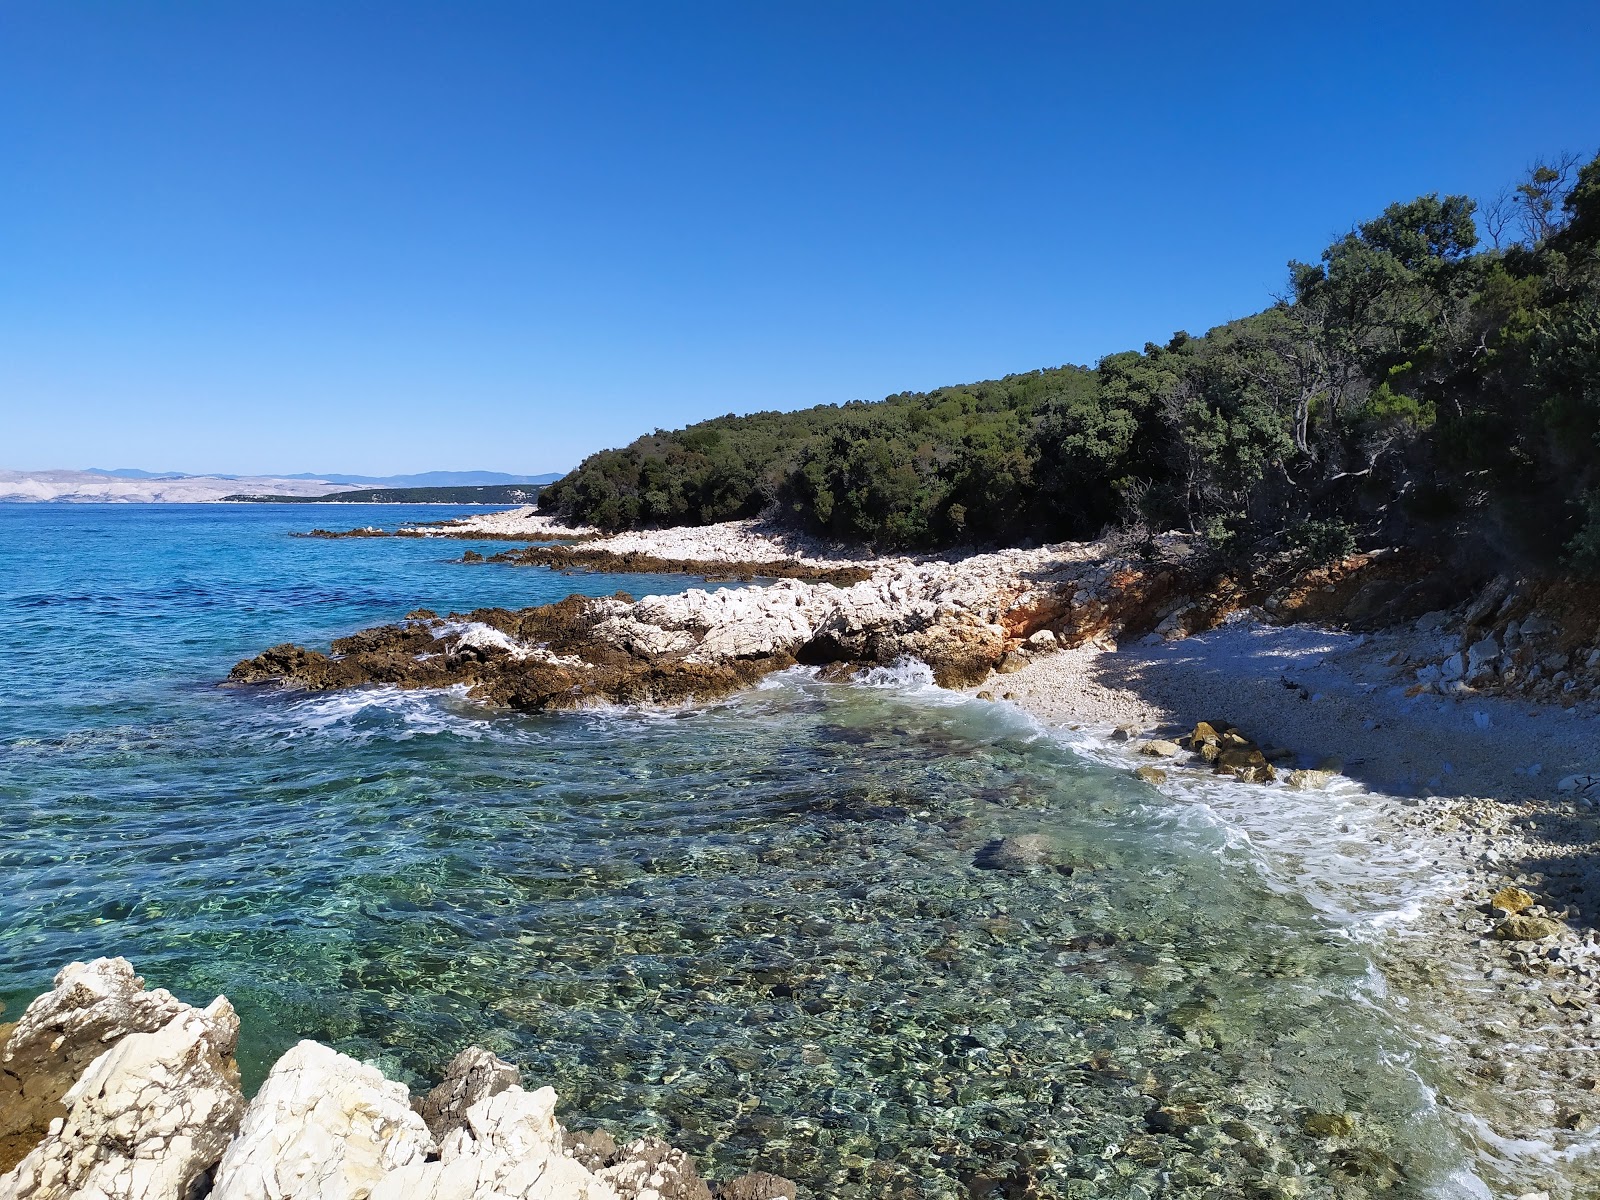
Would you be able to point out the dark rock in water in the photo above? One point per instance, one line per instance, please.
(595, 1148)
(758, 1185)
(652, 1167)
(1178, 1119)
(1018, 853)
(535, 659)
(473, 1075)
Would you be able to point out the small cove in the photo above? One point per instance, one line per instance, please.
(755, 926)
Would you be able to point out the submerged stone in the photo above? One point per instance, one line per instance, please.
(1017, 853)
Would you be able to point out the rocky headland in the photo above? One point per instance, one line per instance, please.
(109, 1090)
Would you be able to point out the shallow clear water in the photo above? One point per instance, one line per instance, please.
(755, 927)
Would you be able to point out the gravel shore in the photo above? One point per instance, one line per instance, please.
(1438, 805)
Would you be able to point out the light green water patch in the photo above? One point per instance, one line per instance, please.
(757, 929)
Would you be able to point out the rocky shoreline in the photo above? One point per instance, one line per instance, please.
(110, 1090)
(1487, 804)
(638, 562)
(1501, 798)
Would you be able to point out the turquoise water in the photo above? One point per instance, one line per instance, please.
(755, 927)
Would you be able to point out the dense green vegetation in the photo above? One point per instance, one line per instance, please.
(497, 493)
(1435, 374)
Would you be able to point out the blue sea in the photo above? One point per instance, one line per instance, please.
(756, 927)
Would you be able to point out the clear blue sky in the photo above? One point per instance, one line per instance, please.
(396, 236)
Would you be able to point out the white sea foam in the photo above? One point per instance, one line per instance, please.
(391, 713)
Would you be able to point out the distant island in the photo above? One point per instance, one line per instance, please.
(497, 494)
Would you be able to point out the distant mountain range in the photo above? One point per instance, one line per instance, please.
(130, 485)
(424, 479)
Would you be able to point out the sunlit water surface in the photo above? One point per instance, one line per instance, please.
(755, 927)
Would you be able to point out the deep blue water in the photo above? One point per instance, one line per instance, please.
(756, 927)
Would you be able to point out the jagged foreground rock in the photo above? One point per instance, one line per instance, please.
(155, 1112)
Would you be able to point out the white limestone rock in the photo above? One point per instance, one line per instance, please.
(147, 1120)
(323, 1127)
(90, 1007)
(510, 1149)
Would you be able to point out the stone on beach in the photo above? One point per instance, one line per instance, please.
(156, 1113)
(1161, 748)
(509, 1148)
(1521, 927)
(1512, 900)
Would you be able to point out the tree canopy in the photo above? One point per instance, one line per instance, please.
(1411, 382)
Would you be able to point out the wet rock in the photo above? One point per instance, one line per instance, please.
(147, 1120)
(90, 1007)
(322, 1127)
(1524, 928)
(1017, 853)
(1151, 775)
(473, 1075)
(1124, 733)
(985, 695)
(1512, 900)
(758, 1185)
(1310, 780)
(1160, 748)
(1206, 734)
(1249, 765)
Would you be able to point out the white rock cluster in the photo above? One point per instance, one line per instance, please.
(155, 1112)
(915, 609)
